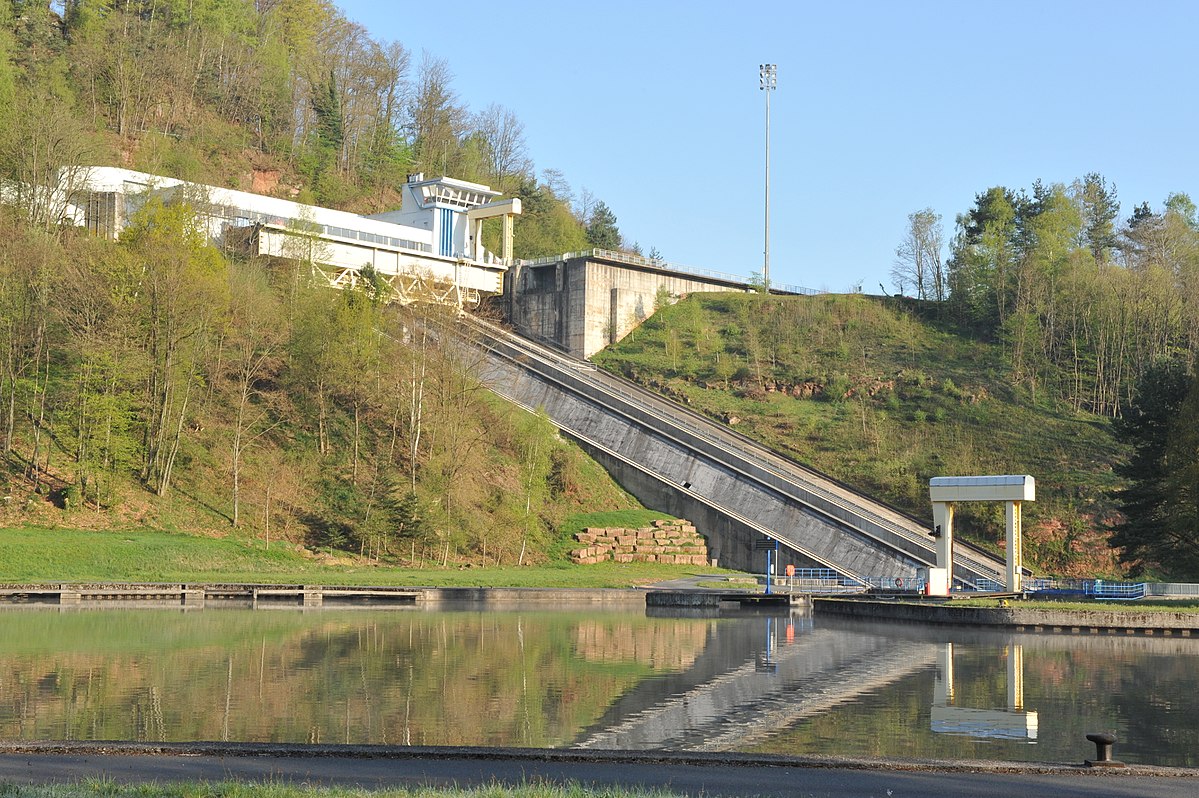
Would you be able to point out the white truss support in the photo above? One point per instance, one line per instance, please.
(406, 288)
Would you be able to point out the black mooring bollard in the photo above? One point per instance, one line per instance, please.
(1103, 751)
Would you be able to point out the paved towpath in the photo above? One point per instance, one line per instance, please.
(722, 775)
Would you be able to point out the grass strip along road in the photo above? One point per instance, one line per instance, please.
(217, 771)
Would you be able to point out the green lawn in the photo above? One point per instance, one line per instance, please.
(1140, 605)
(67, 555)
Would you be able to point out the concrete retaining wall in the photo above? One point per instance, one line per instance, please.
(142, 595)
(681, 478)
(520, 596)
(1016, 618)
(584, 304)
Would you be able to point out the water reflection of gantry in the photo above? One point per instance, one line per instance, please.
(1013, 723)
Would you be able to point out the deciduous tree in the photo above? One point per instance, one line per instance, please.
(918, 262)
(185, 291)
(436, 117)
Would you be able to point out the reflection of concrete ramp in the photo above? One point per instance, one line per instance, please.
(819, 670)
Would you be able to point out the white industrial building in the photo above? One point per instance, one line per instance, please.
(431, 248)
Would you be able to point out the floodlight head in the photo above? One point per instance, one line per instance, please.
(769, 76)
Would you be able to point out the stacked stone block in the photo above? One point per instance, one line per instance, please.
(665, 541)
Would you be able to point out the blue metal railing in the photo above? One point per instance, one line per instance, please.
(816, 580)
(904, 583)
(1088, 588)
(1117, 591)
(826, 574)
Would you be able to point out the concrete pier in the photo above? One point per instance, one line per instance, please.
(1076, 622)
(582, 302)
(716, 598)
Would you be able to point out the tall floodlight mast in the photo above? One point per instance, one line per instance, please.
(769, 75)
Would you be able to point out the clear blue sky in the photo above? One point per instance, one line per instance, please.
(882, 109)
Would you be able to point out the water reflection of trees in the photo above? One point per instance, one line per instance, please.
(389, 678)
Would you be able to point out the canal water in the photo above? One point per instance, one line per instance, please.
(783, 684)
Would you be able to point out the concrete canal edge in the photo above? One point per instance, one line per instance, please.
(313, 753)
(1182, 624)
(1127, 621)
(615, 597)
(197, 595)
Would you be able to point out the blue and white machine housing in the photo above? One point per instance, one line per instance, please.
(430, 249)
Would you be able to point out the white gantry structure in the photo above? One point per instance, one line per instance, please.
(947, 491)
(430, 249)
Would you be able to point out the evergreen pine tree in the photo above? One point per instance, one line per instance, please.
(602, 232)
(1147, 427)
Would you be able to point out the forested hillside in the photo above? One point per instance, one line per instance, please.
(1094, 307)
(1051, 317)
(1057, 339)
(153, 381)
(1082, 301)
(284, 97)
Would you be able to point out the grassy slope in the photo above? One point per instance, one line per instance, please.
(896, 401)
(70, 555)
(199, 505)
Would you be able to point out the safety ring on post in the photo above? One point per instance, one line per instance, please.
(899, 581)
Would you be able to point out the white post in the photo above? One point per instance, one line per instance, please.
(766, 250)
(477, 250)
(1014, 542)
(1012, 489)
(769, 82)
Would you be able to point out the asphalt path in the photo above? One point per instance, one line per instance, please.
(693, 775)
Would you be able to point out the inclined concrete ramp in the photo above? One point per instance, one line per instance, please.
(736, 491)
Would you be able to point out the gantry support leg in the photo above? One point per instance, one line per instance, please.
(507, 248)
(1015, 556)
(943, 521)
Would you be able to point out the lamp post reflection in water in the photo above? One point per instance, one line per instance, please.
(1013, 723)
(765, 662)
